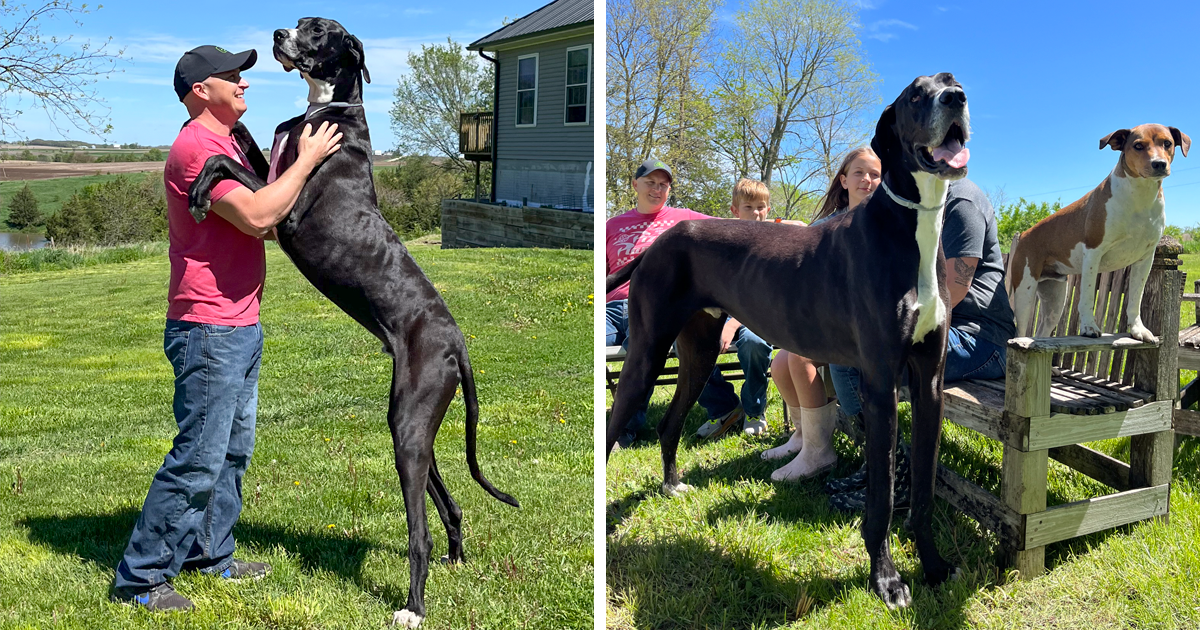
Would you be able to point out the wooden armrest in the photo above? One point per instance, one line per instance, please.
(1191, 297)
(1078, 343)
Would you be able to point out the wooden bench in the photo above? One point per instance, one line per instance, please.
(730, 371)
(1187, 421)
(1065, 390)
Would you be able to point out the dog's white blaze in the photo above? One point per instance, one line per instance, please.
(1023, 298)
(406, 619)
(931, 312)
(318, 91)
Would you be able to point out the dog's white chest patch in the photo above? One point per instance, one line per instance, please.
(931, 311)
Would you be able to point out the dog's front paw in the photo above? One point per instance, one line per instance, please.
(1089, 329)
(198, 206)
(676, 489)
(406, 619)
(1141, 333)
(891, 589)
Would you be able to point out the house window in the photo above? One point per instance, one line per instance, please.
(579, 84)
(527, 80)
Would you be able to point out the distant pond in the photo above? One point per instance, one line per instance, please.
(21, 242)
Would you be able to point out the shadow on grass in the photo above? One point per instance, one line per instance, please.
(101, 539)
(689, 583)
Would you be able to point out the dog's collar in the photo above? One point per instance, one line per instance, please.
(313, 108)
(906, 203)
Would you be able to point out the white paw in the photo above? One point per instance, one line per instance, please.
(1141, 333)
(1089, 329)
(406, 619)
(676, 489)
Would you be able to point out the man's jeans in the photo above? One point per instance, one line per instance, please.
(754, 355)
(196, 497)
(718, 397)
(966, 357)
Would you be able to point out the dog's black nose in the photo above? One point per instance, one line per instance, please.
(953, 96)
(1159, 165)
(280, 35)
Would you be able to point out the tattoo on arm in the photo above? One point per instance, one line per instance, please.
(963, 272)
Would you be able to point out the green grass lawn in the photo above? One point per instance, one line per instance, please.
(51, 193)
(741, 551)
(85, 420)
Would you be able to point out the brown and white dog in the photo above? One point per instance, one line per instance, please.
(1113, 226)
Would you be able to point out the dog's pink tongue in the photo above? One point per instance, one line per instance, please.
(952, 152)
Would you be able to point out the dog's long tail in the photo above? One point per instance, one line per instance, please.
(622, 275)
(468, 387)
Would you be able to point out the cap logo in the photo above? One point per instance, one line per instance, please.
(222, 50)
(659, 165)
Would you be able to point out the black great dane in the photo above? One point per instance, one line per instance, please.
(866, 288)
(337, 238)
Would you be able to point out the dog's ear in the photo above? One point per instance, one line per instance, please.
(1181, 140)
(1116, 139)
(885, 142)
(356, 49)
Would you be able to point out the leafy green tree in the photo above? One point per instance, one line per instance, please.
(1015, 218)
(52, 72)
(123, 210)
(410, 195)
(444, 81)
(23, 210)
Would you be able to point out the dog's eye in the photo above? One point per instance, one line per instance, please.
(318, 31)
(916, 98)
(1138, 146)
(1167, 144)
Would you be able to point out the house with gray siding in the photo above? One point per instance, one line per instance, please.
(544, 116)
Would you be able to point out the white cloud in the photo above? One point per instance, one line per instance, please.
(884, 30)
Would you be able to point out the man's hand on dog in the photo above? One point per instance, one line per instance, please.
(727, 333)
(319, 144)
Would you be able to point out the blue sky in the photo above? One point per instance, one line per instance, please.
(1046, 80)
(144, 108)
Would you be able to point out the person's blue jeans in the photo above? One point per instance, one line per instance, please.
(754, 355)
(196, 496)
(616, 333)
(966, 357)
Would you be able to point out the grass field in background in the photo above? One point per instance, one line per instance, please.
(51, 193)
(85, 415)
(741, 551)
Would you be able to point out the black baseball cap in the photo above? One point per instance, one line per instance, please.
(200, 63)
(651, 165)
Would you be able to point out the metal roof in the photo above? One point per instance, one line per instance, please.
(556, 15)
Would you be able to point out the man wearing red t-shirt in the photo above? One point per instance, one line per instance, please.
(626, 237)
(213, 338)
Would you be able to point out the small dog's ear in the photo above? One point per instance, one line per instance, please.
(885, 142)
(1181, 140)
(1116, 139)
(356, 49)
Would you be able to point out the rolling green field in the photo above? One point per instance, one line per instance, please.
(51, 193)
(741, 551)
(85, 420)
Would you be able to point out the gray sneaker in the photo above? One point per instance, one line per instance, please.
(717, 427)
(240, 570)
(158, 598)
(754, 426)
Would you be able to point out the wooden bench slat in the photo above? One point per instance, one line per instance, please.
(1092, 515)
(1079, 343)
(979, 504)
(1062, 429)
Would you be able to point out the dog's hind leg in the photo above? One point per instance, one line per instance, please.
(1052, 295)
(926, 363)
(652, 329)
(449, 512)
(698, 345)
(878, 391)
(418, 402)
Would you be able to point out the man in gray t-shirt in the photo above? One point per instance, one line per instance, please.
(981, 321)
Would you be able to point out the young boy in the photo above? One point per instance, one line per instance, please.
(751, 202)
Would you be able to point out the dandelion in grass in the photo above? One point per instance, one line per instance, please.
(330, 526)
(296, 483)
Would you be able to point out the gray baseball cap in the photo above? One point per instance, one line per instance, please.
(651, 165)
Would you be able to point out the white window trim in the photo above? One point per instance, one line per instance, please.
(536, 71)
(566, 88)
